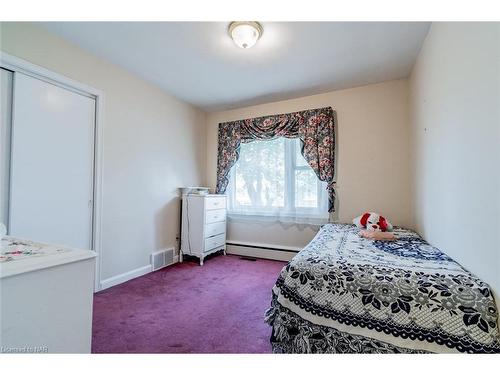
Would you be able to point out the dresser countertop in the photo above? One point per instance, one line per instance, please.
(42, 256)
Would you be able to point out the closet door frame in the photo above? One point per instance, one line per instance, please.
(18, 65)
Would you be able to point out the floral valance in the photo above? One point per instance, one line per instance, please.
(314, 127)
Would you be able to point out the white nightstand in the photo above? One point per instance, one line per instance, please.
(203, 225)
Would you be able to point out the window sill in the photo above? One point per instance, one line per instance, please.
(313, 220)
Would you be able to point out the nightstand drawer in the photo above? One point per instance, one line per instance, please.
(216, 241)
(215, 228)
(214, 216)
(215, 203)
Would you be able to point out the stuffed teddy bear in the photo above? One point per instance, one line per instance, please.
(372, 222)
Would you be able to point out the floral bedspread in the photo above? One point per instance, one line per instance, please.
(401, 294)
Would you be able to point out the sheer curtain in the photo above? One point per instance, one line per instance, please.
(271, 181)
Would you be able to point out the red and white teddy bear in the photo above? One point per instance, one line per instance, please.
(373, 222)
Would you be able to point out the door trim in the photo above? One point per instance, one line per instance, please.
(15, 64)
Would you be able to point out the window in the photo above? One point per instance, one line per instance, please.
(272, 178)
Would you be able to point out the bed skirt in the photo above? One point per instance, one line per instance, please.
(293, 335)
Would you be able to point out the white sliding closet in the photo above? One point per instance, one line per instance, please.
(51, 163)
(5, 121)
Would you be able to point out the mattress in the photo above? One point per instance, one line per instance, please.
(347, 294)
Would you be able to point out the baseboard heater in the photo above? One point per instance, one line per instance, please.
(262, 247)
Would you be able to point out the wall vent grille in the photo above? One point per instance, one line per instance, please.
(162, 258)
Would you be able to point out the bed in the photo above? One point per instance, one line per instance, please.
(346, 294)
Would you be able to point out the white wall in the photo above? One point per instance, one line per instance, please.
(373, 157)
(455, 121)
(153, 144)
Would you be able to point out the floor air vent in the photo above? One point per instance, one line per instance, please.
(162, 258)
(252, 259)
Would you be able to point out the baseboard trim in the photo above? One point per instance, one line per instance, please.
(264, 251)
(141, 271)
(118, 279)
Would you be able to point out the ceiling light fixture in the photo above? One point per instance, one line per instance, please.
(245, 33)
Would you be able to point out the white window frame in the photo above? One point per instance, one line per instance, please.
(320, 212)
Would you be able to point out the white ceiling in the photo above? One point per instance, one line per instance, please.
(198, 62)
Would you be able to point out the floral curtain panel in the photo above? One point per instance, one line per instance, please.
(314, 127)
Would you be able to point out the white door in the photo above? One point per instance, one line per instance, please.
(5, 116)
(52, 163)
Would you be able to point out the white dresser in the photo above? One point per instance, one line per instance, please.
(46, 294)
(203, 225)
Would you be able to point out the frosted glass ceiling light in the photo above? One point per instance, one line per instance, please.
(245, 33)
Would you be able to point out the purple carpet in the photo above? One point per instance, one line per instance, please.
(185, 308)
